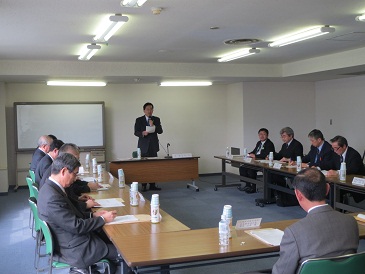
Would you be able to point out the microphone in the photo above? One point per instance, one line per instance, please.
(168, 153)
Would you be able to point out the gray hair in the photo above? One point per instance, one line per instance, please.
(287, 130)
(44, 140)
(66, 160)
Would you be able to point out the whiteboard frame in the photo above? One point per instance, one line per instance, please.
(82, 148)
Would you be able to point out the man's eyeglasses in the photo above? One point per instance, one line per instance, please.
(335, 148)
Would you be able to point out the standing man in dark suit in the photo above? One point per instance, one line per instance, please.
(47, 160)
(263, 147)
(78, 237)
(148, 141)
(44, 143)
(314, 236)
(291, 147)
(320, 154)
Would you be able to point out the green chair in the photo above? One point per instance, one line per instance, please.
(32, 175)
(346, 264)
(31, 194)
(35, 190)
(37, 228)
(54, 264)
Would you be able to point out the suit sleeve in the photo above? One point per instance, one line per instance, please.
(289, 255)
(138, 128)
(61, 214)
(298, 151)
(157, 123)
(355, 164)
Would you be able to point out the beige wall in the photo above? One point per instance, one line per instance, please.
(343, 102)
(200, 120)
(3, 145)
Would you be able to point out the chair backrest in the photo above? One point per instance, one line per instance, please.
(33, 207)
(47, 237)
(346, 264)
(35, 190)
(134, 154)
(32, 175)
(30, 186)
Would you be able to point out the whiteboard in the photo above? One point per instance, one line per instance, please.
(78, 123)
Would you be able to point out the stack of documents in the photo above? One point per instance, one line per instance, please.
(271, 236)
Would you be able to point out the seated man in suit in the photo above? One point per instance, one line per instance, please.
(289, 151)
(320, 154)
(324, 232)
(353, 160)
(47, 160)
(344, 153)
(44, 143)
(78, 237)
(291, 148)
(263, 147)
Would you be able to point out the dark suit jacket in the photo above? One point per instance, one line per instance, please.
(324, 232)
(149, 142)
(268, 147)
(37, 156)
(295, 149)
(325, 157)
(74, 233)
(42, 166)
(353, 160)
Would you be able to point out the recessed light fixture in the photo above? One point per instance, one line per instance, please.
(302, 35)
(132, 3)
(360, 18)
(89, 52)
(77, 83)
(109, 26)
(238, 54)
(185, 83)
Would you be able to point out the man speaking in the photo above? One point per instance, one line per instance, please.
(146, 129)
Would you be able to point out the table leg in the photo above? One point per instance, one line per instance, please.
(193, 185)
(224, 177)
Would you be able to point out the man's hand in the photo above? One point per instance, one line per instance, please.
(91, 203)
(331, 173)
(144, 133)
(109, 216)
(93, 185)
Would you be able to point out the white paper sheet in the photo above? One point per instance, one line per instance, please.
(113, 202)
(271, 236)
(150, 129)
(123, 219)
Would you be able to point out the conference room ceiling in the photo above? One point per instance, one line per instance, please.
(42, 39)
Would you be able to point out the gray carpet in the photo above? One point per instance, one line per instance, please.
(195, 209)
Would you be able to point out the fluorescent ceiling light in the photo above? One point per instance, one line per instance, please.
(132, 3)
(300, 36)
(109, 26)
(238, 54)
(77, 83)
(360, 18)
(185, 83)
(89, 51)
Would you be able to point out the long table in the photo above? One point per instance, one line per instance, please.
(158, 169)
(169, 245)
(337, 186)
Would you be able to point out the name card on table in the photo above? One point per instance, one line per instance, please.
(247, 160)
(248, 223)
(182, 155)
(358, 181)
(277, 165)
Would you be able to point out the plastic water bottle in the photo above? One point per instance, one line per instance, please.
(87, 163)
(299, 163)
(227, 152)
(271, 159)
(244, 153)
(343, 171)
(121, 180)
(223, 231)
(138, 153)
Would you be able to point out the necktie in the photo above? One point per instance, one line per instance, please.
(259, 149)
(341, 158)
(317, 156)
